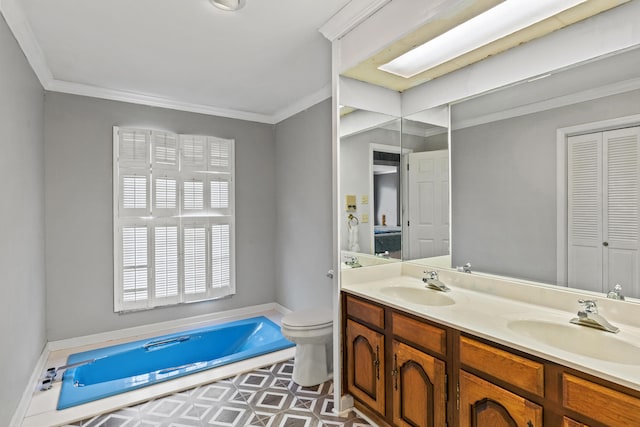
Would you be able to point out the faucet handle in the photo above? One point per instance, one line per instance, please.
(589, 305)
(433, 275)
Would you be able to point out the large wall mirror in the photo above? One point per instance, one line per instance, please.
(394, 186)
(546, 178)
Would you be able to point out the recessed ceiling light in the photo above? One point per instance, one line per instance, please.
(228, 5)
(500, 21)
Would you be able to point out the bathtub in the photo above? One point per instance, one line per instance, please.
(120, 368)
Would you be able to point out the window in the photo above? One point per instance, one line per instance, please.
(173, 218)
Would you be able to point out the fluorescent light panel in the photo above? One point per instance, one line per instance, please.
(500, 21)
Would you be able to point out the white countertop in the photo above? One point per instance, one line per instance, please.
(485, 307)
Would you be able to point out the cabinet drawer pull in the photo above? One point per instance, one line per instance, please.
(377, 362)
(394, 372)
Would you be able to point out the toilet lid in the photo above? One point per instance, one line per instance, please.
(315, 317)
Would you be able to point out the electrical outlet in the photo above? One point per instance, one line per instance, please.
(364, 218)
(364, 199)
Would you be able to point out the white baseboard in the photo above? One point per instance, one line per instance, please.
(25, 399)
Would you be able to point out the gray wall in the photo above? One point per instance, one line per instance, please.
(22, 308)
(304, 208)
(79, 242)
(504, 187)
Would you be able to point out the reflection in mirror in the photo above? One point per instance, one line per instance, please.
(546, 179)
(369, 187)
(426, 187)
(394, 186)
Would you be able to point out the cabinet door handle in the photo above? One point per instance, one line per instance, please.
(377, 362)
(529, 423)
(394, 372)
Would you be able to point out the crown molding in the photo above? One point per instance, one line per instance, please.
(560, 101)
(17, 22)
(302, 104)
(349, 17)
(19, 25)
(153, 101)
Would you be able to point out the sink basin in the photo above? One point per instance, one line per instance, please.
(417, 295)
(580, 340)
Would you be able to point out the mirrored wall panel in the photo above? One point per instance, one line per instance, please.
(546, 178)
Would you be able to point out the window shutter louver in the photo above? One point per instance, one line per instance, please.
(195, 259)
(220, 255)
(219, 194)
(133, 149)
(165, 150)
(193, 194)
(192, 153)
(219, 154)
(166, 261)
(134, 263)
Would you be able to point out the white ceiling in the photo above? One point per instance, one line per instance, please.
(258, 63)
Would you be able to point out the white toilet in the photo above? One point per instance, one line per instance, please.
(312, 332)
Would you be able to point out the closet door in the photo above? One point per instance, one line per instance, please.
(621, 195)
(585, 226)
(603, 210)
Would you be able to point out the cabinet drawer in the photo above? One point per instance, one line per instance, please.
(519, 371)
(568, 422)
(367, 312)
(608, 406)
(422, 334)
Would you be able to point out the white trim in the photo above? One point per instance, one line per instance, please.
(560, 101)
(302, 104)
(561, 181)
(17, 21)
(162, 326)
(350, 17)
(27, 394)
(153, 101)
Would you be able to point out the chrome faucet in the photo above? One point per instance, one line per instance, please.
(616, 293)
(589, 316)
(385, 255)
(433, 282)
(465, 268)
(353, 262)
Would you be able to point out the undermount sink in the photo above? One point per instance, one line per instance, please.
(580, 340)
(420, 296)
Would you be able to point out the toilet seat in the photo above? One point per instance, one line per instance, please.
(308, 319)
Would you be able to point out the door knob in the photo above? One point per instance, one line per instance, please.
(330, 274)
(605, 243)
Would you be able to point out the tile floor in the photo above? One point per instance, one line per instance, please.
(265, 397)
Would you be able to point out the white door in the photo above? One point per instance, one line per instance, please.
(428, 204)
(603, 209)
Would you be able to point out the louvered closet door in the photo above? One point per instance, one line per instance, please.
(584, 153)
(621, 195)
(604, 208)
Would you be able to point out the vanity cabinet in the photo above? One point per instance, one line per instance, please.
(403, 370)
(395, 358)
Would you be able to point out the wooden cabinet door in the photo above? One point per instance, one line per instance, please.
(365, 365)
(483, 404)
(419, 388)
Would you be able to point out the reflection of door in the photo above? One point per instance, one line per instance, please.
(428, 204)
(603, 208)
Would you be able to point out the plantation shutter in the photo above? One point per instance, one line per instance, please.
(173, 218)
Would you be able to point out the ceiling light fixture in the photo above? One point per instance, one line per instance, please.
(228, 5)
(500, 21)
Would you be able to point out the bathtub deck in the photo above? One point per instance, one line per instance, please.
(42, 408)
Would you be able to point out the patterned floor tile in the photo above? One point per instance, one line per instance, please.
(265, 397)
